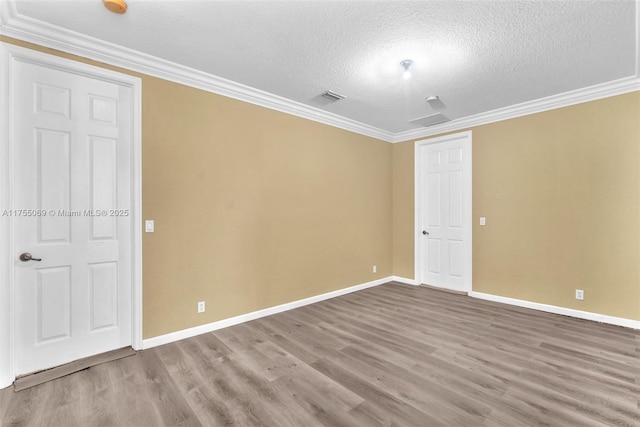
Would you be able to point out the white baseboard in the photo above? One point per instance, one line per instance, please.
(202, 329)
(209, 327)
(404, 280)
(618, 321)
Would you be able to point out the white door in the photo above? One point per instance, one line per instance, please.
(72, 171)
(443, 220)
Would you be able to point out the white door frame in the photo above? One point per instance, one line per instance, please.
(9, 55)
(419, 258)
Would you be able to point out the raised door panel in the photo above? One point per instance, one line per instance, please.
(103, 188)
(103, 285)
(455, 198)
(52, 100)
(53, 169)
(53, 304)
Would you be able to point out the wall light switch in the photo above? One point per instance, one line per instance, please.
(483, 220)
(148, 226)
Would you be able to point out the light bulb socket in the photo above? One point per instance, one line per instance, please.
(406, 64)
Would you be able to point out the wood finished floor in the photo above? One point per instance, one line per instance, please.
(393, 355)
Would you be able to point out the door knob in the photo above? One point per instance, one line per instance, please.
(425, 232)
(27, 257)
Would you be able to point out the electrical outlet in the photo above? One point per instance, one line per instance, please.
(483, 220)
(579, 294)
(375, 269)
(200, 306)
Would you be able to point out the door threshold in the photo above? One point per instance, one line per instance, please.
(438, 288)
(37, 378)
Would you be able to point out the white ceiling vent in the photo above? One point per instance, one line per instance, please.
(430, 120)
(332, 96)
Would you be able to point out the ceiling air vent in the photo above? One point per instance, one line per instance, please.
(430, 120)
(332, 96)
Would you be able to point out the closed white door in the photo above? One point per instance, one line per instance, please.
(444, 217)
(72, 177)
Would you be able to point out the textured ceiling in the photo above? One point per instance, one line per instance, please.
(475, 55)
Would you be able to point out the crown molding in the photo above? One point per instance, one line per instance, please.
(591, 93)
(15, 25)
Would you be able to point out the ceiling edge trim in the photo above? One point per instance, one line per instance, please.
(578, 96)
(21, 27)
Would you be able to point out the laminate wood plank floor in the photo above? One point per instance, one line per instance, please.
(393, 355)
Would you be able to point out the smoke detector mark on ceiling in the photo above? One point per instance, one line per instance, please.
(435, 102)
(332, 96)
(430, 120)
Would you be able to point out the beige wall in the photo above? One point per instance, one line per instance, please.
(403, 209)
(561, 194)
(253, 207)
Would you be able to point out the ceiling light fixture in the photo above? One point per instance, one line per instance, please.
(115, 6)
(406, 64)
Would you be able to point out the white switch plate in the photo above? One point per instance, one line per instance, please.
(375, 269)
(200, 306)
(148, 226)
(483, 220)
(579, 294)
